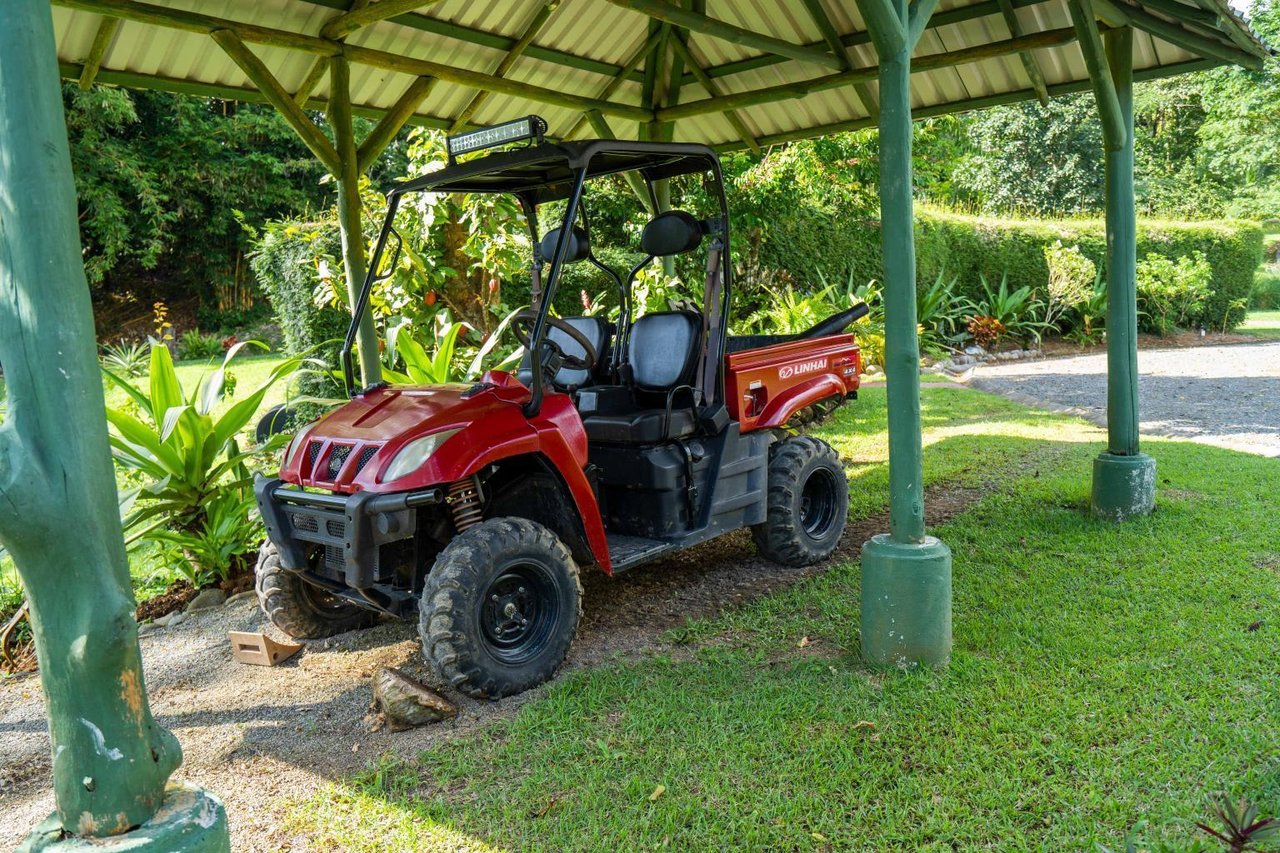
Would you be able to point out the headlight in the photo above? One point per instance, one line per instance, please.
(415, 453)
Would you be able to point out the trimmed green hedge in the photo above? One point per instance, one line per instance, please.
(285, 265)
(965, 246)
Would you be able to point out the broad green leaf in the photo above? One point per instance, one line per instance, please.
(166, 390)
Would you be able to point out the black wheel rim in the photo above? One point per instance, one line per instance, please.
(818, 503)
(518, 612)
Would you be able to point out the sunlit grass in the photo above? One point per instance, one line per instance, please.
(1103, 676)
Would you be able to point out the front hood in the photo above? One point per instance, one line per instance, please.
(349, 449)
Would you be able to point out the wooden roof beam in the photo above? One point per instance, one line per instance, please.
(714, 90)
(1174, 34)
(732, 33)
(1034, 74)
(392, 122)
(131, 10)
(831, 36)
(930, 62)
(101, 41)
(535, 26)
(348, 22)
(623, 75)
(269, 86)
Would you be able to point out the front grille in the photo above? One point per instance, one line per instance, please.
(365, 455)
(306, 522)
(333, 559)
(313, 450)
(337, 457)
(336, 528)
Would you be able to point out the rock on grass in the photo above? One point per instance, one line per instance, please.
(406, 702)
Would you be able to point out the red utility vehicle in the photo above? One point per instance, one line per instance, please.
(615, 443)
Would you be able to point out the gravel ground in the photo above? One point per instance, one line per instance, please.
(260, 737)
(1228, 396)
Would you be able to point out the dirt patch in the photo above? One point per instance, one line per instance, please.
(261, 737)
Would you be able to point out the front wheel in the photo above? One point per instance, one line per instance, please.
(808, 502)
(301, 610)
(500, 608)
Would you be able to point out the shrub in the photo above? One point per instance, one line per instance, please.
(1071, 279)
(195, 345)
(1015, 312)
(125, 358)
(1171, 294)
(1265, 295)
(293, 262)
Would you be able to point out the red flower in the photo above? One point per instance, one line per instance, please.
(431, 298)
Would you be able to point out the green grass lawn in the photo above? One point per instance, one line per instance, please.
(1262, 324)
(1104, 678)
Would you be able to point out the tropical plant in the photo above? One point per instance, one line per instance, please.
(1016, 311)
(1091, 314)
(126, 358)
(986, 331)
(1170, 293)
(195, 345)
(185, 453)
(940, 314)
(218, 548)
(1242, 829)
(451, 352)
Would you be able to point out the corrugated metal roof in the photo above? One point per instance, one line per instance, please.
(583, 44)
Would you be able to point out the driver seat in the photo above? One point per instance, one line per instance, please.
(596, 329)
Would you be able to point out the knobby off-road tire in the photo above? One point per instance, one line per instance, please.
(500, 608)
(299, 609)
(808, 502)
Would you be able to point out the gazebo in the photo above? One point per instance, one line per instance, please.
(733, 74)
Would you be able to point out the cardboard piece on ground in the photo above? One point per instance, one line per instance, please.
(259, 649)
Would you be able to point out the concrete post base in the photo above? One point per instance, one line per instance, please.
(906, 603)
(191, 820)
(1123, 486)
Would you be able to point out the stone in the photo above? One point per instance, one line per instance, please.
(975, 350)
(407, 702)
(206, 599)
(247, 595)
(162, 621)
(176, 618)
(961, 359)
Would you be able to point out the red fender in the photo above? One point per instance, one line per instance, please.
(780, 409)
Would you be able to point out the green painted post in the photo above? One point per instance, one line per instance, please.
(906, 575)
(1124, 478)
(111, 760)
(350, 219)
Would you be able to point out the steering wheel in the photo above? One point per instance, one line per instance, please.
(523, 324)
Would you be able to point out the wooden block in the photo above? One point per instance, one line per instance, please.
(259, 649)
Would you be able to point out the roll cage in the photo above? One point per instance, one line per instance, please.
(548, 171)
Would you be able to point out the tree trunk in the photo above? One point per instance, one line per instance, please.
(58, 507)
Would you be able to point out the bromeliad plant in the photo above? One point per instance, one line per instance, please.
(188, 456)
(1015, 312)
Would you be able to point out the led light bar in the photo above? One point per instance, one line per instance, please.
(529, 127)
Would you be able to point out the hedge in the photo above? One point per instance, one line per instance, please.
(285, 264)
(966, 246)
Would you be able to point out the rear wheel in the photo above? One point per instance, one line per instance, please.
(500, 608)
(808, 502)
(300, 609)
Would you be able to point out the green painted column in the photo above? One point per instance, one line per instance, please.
(350, 215)
(906, 575)
(58, 511)
(1124, 478)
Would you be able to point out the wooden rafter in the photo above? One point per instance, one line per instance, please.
(315, 74)
(131, 10)
(394, 119)
(633, 179)
(1029, 64)
(270, 87)
(540, 19)
(1114, 130)
(725, 31)
(623, 75)
(713, 89)
(1196, 43)
(785, 91)
(348, 22)
(101, 42)
(822, 20)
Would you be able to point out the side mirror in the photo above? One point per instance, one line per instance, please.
(387, 263)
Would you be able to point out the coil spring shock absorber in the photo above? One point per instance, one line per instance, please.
(466, 502)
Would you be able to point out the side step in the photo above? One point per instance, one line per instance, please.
(629, 551)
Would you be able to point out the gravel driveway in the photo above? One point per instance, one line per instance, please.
(1228, 396)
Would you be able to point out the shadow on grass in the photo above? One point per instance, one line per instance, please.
(1103, 675)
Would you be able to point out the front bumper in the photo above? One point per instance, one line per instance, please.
(350, 528)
